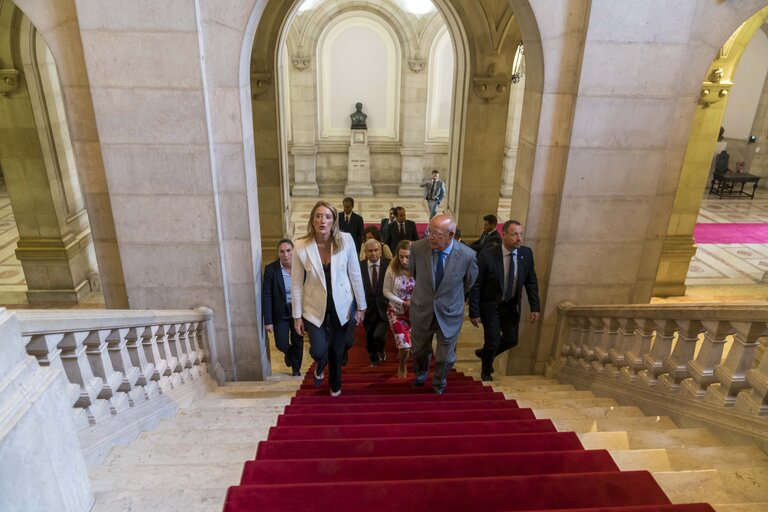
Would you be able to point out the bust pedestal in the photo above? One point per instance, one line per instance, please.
(359, 165)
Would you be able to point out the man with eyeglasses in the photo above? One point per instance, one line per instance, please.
(494, 301)
(444, 270)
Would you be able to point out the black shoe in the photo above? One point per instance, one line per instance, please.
(296, 373)
(344, 359)
(418, 384)
(486, 377)
(438, 391)
(374, 364)
(287, 360)
(318, 378)
(479, 353)
(382, 356)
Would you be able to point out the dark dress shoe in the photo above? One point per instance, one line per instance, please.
(374, 364)
(318, 379)
(296, 373)
(344, 359)
(479, 353)
(287, 360)
(383, 356)
(486, 377)
(418, 384)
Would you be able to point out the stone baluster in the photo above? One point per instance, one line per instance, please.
(676, 364)
(571, 335)
(661, 348)
(101, 365)
(44, 348)
(164, 346)
(607, 342)
(139, 359)
(117, 346)
(624, 339)
(755, 400)
(638, 347)
(186, 346)
(731, 375)
(174, 345)
(596, 329)
(702, 369)
(152, 353)
(577, 351)
(78, 370)
(201, 340)
(193, 338)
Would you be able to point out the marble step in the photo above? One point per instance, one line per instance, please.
(143, 451)
(162, 477)
(615, 424)
(649, 439)
(690, 459)
(582, 412)
(546, 402)
(741, 507)
(716, 486)
(263, 421)
(559, 395)
(215, 413)
(216, 402)
(171, 500)
(197, 435)
(533, 388)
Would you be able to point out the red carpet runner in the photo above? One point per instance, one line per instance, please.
(384, 445)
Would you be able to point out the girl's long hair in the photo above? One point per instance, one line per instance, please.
(337, 242)
(394, 265)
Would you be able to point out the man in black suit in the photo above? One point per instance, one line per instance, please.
(402, 229)
(352, 223)
(385, 222)
(276, 307)
(495, 298)
(489, 237)
(372, 268)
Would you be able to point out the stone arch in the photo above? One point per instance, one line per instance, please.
(679, 247)
(56, 22)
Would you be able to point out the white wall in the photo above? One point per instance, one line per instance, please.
(747, 87)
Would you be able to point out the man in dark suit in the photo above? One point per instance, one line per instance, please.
(372, 268)
(490, 236)
(402, 229)
(385, 222)
(352, 223)
(503, 271)
(276, 307)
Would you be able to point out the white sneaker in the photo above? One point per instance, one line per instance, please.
(335, 393)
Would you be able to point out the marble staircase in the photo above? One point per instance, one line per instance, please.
(188, 462)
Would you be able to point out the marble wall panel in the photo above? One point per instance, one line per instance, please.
(642, 21)
(580, 263)
(172, 266)
(140, 15)
(224, 45)
(614, 173)
(233, 209)
(143, 116)
(120, 59)
(589, 218)
(226, 124)
(230, 162)
(164, 219)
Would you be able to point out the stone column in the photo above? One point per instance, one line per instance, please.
(411, 171)
(55, 246)
(513, 134)
(359, 165)
(304, 171)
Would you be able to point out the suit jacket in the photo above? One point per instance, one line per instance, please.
(488, 291)
(393, 234)
(446, 304)
(274, 305)
(377, 302)
(354, 227)
(439, 194)
(486, 240)
(308, 288)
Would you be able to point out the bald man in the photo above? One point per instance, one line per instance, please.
(444, 271)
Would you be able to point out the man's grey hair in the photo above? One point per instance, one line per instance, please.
(370, 242)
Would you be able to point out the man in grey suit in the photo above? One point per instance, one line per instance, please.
(444, 271)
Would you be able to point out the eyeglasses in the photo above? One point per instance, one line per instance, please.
(437, 234)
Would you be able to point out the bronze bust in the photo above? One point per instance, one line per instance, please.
(358, 118)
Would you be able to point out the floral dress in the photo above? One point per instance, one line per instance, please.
(398, 289)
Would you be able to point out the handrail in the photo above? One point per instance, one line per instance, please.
(115, 360)
(710, 354)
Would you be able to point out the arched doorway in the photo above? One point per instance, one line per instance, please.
(679, 248)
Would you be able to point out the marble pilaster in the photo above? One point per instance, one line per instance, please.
(359, 165)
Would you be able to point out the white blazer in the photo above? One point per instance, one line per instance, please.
(308, 291)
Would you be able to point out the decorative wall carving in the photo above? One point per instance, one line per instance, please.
(260, 82)
(498, 17)
(9, 81)
(418, 64)
(492, 86)
(301, 62)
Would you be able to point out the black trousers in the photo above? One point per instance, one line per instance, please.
(375, 335)
(289, 342)
(500, 325)
(327, 345)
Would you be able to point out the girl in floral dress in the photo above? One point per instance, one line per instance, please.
(398, 288)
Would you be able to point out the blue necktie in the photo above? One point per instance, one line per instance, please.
(439, 270)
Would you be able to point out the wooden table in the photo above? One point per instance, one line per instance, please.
(732, 184)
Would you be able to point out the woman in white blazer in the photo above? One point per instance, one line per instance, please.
(325, 274)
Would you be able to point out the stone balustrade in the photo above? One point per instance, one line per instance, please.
(117, 360)
(708, 360)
